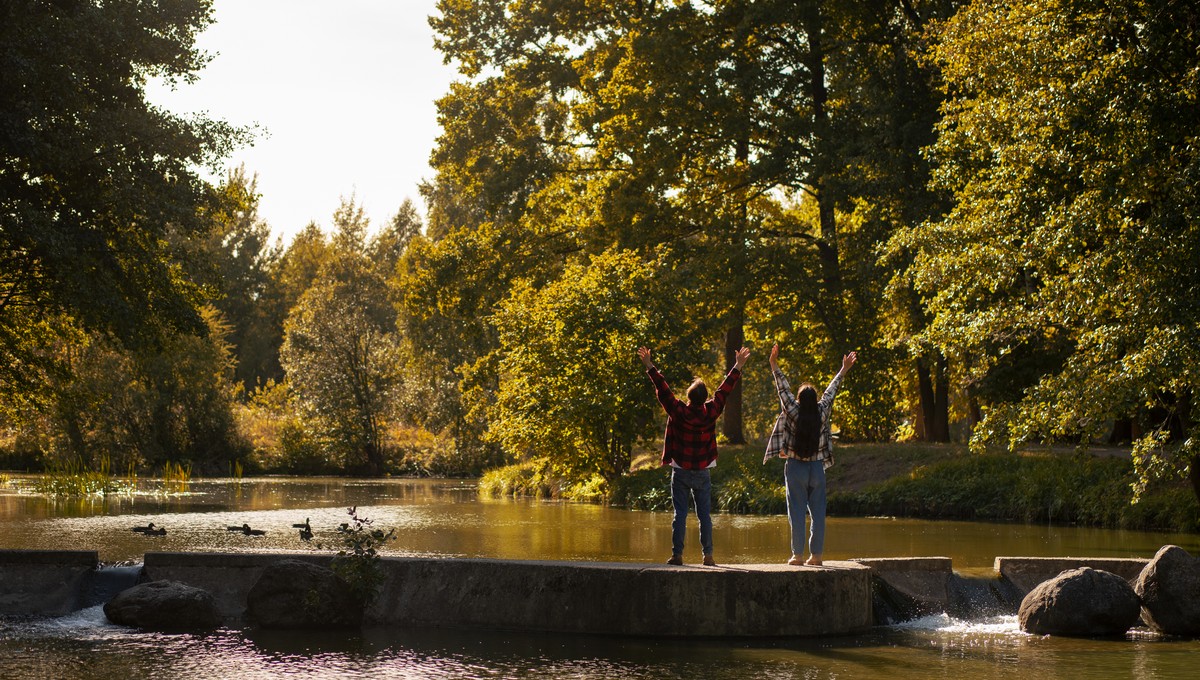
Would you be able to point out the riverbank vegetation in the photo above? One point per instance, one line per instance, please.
(994, 203)
(947, 481)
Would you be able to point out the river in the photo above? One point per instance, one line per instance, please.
(446, 518)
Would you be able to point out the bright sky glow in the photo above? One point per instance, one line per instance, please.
(344, 90)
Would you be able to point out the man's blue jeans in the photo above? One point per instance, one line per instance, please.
(805, 483)
(687, 485)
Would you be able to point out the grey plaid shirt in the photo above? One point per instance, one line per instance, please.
(779, 444)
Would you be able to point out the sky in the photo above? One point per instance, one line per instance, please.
(344, 92)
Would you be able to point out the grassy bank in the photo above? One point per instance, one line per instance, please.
(903, 480)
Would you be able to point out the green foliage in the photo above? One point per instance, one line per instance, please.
(357, 562)
(533, 478)
(138, 407)
(95, 184)
(422, 453)
(281, 440)
(341, 356)
(387, 247)
(699, 135)
(1064, 277)
(235, 261)
(569, 377)
(1024, 488)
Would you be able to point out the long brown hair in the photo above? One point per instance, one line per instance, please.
(807, 437)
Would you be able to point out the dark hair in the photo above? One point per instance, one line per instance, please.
(697, 392)
(808, 422)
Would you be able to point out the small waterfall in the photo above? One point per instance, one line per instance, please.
(965, 598)
(104, 583)
(973, 598)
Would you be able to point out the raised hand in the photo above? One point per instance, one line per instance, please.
(739, 358)
(848, 361)
(644, 355)
(775, 357)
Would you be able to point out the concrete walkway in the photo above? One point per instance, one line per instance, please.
(575, 597)
(616, 598)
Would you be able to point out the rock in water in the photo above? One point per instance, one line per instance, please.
(1170, 590)
(1082, 602)
(164, 606)
(296, 594)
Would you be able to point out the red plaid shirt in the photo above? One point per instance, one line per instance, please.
(691, 438)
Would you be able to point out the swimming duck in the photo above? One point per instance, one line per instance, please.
(245, 529)
(306, 532)
(151, 530)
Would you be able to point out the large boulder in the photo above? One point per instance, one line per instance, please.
(1169, 587)
(296, 594)
(1080, 602)
(164, 606)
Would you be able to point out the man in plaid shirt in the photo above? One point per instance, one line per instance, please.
(690, 448)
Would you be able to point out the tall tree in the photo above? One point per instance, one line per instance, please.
(339, 352)
(92, 177)
(726, 136)
(234, 261)
(1064, 277)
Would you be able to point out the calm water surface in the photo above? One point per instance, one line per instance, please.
(446, 518)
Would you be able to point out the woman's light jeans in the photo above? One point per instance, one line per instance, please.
(805, 483)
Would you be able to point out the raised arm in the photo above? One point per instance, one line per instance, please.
(786, 398)
(730, 381)
(661, 389)
(831, 391)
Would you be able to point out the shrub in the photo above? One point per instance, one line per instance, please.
(358, 560)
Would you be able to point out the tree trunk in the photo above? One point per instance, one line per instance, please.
(941, 401)
(925, 399)
(933, 385)
(374, 460)
(1122, 431)
(731, 425)
(834, 312)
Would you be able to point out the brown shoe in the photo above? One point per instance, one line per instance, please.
(796, 561)
(676, 560)
(709, 562)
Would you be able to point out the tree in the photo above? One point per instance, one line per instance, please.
(386, 248)
(92, 178)
(234, 261)
(569, 381)
(1063, 279)
(339, 352)
(141, 408)
(734, 134)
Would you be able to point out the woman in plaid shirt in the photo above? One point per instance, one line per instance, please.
(802, 437)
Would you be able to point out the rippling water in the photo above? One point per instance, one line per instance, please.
(446, 518)
(84, 645)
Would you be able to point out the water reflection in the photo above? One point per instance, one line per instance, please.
(446, 517)
(85, 646)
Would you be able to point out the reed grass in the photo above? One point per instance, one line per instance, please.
(73, 477)
(176, 477)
